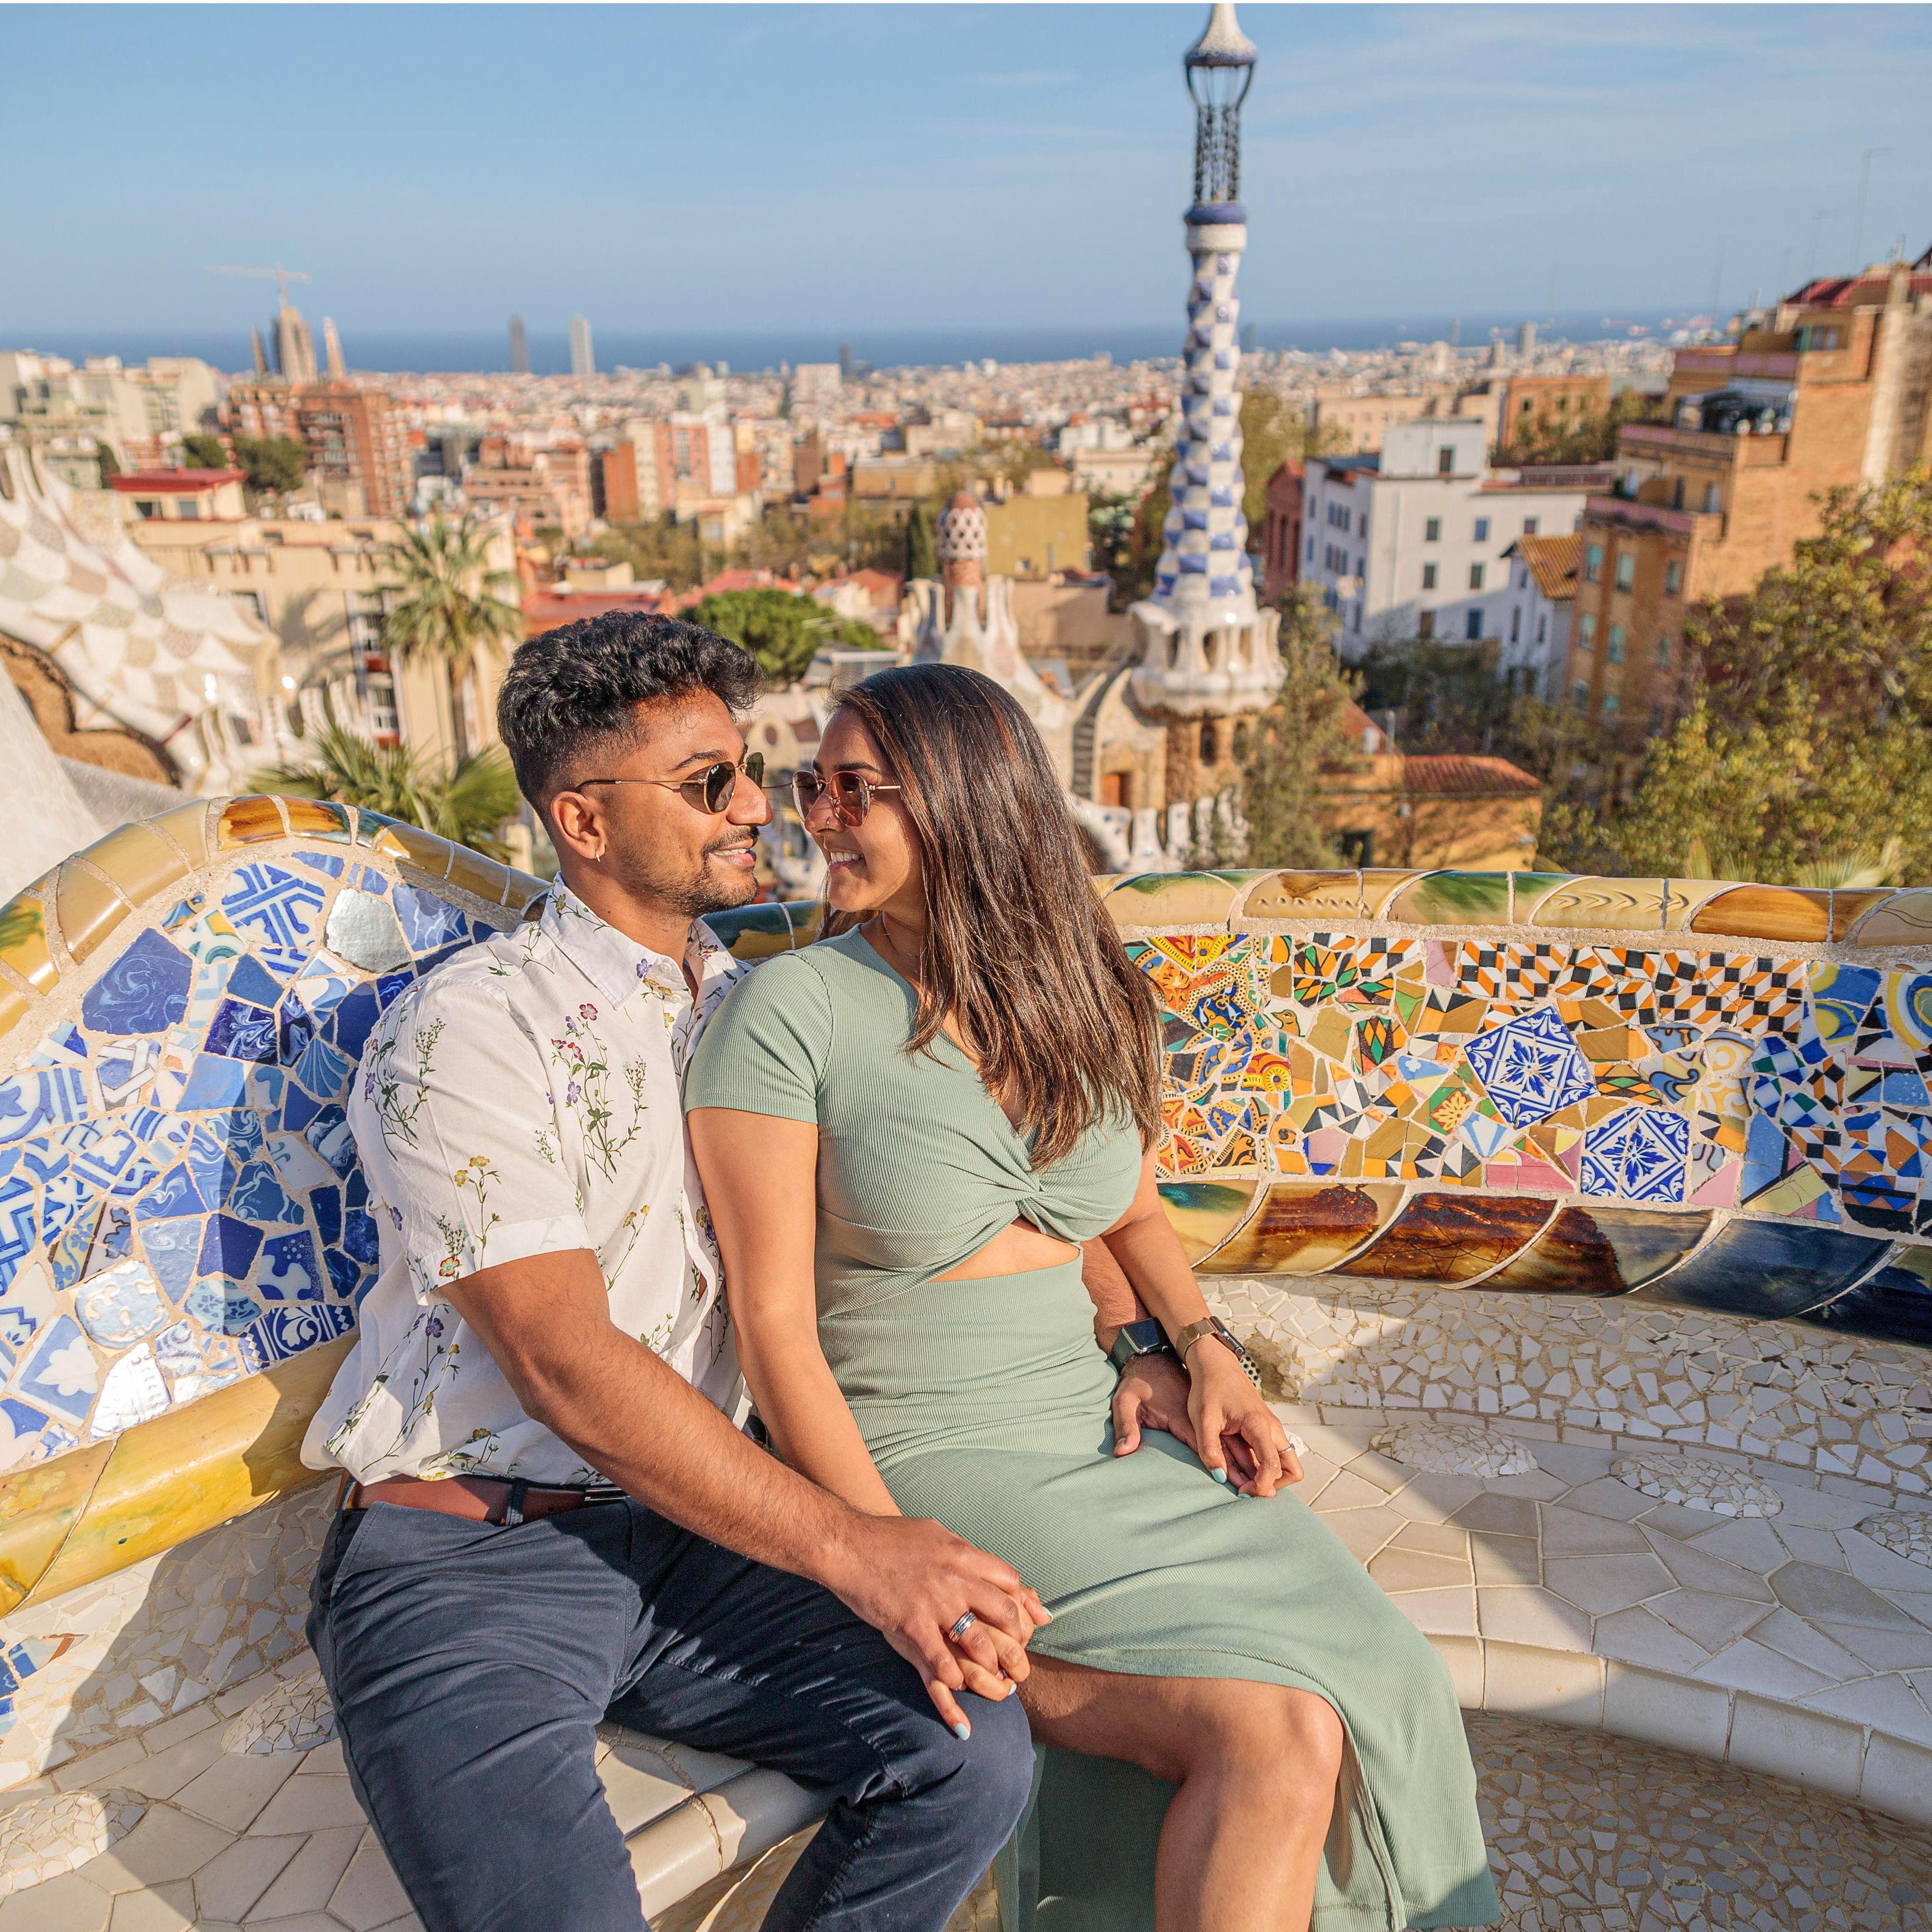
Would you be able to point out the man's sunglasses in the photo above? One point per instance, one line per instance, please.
(851, 795)
(711, 789)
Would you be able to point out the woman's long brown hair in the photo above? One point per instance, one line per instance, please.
(1018, 950)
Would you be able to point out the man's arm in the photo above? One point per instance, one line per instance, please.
(546, 1322)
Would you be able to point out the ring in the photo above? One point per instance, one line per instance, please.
(964, 1624)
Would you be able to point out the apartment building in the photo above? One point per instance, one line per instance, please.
(1531, 403)
(1537, 608)
(138, 414)
(1831, 388)
(357, 440)
(540, 488)
(1413, 542)
(1281, 528)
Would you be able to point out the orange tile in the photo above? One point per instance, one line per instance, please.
(319, 818)
(87, 908)
(247, 821)
(1767, 912)
(138, 862)
(187, 825)
(410, 844)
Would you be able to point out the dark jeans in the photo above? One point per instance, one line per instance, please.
(470, 1667)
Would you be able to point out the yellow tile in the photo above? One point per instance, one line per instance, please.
(247, 821)
(38, 1508)
(1302, 895)
(1767, 912)
(140, 863)
(1616, 905)
(476, 873)
(410, 845)
(1379, 887)
(14, 1008)
(1172, 898)
(1687, 895)
(1902, 919)
(23, 939)
(319, 818)
(87, 908)
(187, 825)
(1205, 1213)
(193, 1467)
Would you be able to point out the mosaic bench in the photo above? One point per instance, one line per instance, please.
(1642, 1159)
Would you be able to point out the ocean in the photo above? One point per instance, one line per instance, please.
(479, 350)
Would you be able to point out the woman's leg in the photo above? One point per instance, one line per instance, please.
(1256, 1765)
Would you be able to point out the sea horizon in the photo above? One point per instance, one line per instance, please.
(473, 352)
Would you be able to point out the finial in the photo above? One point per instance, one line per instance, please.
(1222, 43)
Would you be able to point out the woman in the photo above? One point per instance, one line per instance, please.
(904, 1132)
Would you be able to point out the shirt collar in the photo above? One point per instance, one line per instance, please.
(617, 965)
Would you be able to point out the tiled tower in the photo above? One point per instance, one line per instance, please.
(1208, 658)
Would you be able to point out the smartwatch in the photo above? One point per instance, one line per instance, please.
(1196, 1331)
(1137, 1338)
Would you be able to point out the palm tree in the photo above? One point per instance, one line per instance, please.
(469, 806)
(448, 605)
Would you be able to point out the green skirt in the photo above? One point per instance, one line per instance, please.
(985, 1405)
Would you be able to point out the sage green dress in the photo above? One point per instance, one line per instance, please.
(985, 1405)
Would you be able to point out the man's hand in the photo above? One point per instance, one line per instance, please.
(912, 1580)
(1151, 1393)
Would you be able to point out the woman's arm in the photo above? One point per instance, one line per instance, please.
(760, 1176)
(1222, 1400)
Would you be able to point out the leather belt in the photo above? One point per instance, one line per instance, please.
(491, 1499)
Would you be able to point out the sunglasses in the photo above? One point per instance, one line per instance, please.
(711, 789)
(851, 795)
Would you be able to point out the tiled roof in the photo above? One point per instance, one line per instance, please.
(1447, 776)
(1552, 562)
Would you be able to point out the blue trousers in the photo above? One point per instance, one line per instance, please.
(470, 1665)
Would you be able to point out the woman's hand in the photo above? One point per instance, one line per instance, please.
(1151, 1393)
(1229, 1417)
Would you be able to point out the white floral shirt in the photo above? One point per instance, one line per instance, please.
(524, 1098)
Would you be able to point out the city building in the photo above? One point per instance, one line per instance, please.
(1412, 542)
(184, 496)
(537, 488)
(1038, 531)
(295, 344)
(520, 347)
(583, 357)
(138, 414)
(1536, 611)
(815, 385)
(1833, 387)
(331, 350)
(1281, 528)
(357, 440)
(1532, 402)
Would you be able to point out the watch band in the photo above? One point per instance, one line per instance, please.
(1214, 1326)
(1137, 1338)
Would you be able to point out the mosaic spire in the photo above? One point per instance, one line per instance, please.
(1204, 541)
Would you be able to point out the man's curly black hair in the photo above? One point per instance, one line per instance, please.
(572, 692)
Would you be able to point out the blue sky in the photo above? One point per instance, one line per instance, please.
(438, 167)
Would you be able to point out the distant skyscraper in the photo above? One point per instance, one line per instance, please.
(520, 347)
(331, 350)
(1525, 340)
(261, 354)
(583, 361)
(845, 361)
(1251, 338)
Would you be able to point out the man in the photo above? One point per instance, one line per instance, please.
(550, 1519)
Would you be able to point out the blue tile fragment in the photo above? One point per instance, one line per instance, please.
(241, 1031)
(228, 1247)
(145, 991)
(1775, 1270)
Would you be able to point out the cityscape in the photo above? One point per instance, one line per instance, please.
(1452, 489)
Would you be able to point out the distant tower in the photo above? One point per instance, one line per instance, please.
(845, 361)
(332, 350)
(583, 362)
(1526, 340)
(520, 348)
(261, 355)
(1208, 655)
(295, 347)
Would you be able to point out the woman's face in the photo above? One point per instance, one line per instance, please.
(873, 866)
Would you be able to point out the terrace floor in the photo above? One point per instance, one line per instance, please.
(1699, 1669)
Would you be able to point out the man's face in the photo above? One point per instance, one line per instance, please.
(652, 840)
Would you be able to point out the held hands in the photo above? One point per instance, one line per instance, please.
(1236, 1433)
(912, 1580)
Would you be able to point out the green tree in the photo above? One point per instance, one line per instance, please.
(107, 462)
(781, 630)
(470, 805)
(200, 451)
(447, 602)
(922, 559)
(276, 465)
(1807, 754)
(1299, 743)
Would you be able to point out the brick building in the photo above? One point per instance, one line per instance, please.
(1831, 387)
(1561, 402)
(1281, 528)
(357, 440)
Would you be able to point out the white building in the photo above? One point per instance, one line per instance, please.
(582, 358)
(1537, 608)
(1412, 541)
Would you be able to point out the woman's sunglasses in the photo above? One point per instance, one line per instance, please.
(851, 795)
(711, 789)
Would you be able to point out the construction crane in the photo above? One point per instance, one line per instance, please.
(282, 277)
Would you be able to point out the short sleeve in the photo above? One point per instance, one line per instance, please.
(453, 1117)
(764, 1050)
